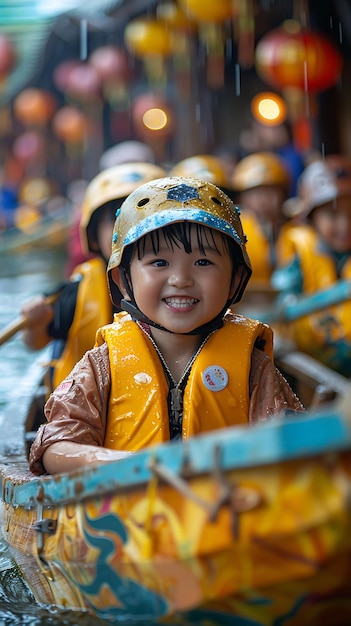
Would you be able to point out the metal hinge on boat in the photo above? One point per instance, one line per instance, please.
(46, 526)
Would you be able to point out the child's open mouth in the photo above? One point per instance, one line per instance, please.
(180, 303)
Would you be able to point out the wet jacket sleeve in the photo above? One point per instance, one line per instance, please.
(270, 393)
(76, 410)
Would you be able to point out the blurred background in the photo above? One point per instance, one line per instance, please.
(184, 76)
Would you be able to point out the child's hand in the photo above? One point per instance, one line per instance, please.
(36, 310)
(38, 313)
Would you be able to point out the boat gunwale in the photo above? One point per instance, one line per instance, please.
(268, 443)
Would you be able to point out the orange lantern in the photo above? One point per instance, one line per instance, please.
(268, 108)
(145, 37)
(70, 125)
(174, 17)
(34, 107)
(7, 56)
(207, 10)
(152, 117)
(297, 58)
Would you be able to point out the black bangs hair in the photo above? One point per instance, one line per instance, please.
(178, 235)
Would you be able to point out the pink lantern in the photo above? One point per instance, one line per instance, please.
(84, 82)
(111, 63)
(28, 147)
(61, 73)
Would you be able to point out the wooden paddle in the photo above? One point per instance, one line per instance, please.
(21, 322)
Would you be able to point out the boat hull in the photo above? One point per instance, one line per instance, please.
(159, 535)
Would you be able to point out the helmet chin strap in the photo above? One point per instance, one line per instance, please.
(132, 308)
(205, 329)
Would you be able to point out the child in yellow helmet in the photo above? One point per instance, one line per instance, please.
(261, 181)
(317, 255)
(175, 362)
(83, 303)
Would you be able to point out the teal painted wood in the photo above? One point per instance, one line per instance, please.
(228, 449)
(295, 307)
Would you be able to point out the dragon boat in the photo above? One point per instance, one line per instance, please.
(245, 526)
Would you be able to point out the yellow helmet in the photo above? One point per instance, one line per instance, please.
(176, 199)
(260, 169)
(114, 183)
(203, 166)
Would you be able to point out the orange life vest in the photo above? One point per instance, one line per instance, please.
(261, 250)
(93, 309)
(216, 393)
(326, 334)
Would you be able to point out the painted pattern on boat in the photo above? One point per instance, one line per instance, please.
(247, 524)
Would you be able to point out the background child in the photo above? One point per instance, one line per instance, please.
(83, 303)
(261, 181)
(176, 363)
(318, 255)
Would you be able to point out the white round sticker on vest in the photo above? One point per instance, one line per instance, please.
(215, 378)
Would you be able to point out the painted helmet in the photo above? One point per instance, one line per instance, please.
(259, 169)
(203, 166)
(176, 199)
(323, 181)
(114, 183)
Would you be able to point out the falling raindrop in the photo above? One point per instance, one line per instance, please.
(323, 149)
(340, 32)
(237, 79)
(83, 39)
(198, 112)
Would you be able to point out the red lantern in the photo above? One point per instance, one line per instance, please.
(111, 63)
(70, 125)
(7, 56)
(34, 107)
(305, 60)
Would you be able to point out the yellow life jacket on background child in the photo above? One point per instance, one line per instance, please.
(93, 309)
(326, 334)
(216, 394)
(262, 251)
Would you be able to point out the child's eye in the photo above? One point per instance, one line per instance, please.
(203, 262)
(159, 263)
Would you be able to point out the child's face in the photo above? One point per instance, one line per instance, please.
(182, 291)
(266, 202)
(105, 232)
(333, 223)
